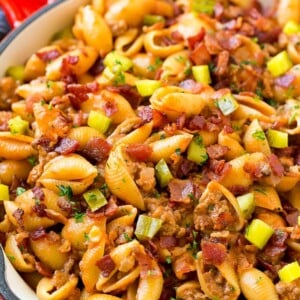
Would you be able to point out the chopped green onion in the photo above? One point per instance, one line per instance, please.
(247, 204)
(99, 121)
(279, 64)
(4, 192)
(65, 190)
(163, 173)
(20, 190)
(117, 62)
(95, 199)
(196, 151)
(258, 233)
(146, 87)
(289, 272)
(147, 227)
(16, 72)
(227, 104)
(201, 74)
(291, 27)
(203, 6)
(18, 126)
(277, 139)
(150, 20)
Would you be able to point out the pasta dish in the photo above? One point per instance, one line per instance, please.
(152, 151)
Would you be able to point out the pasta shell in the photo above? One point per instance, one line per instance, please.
(86, 57)
(103, 297)
(131, 12)
(233, 142)
(47, 249)
(123, 108)
(129, 43)
(271, 218)
(174, 101)
(15, 146)
(288, 10)
(46, 90)
(151, 45)
(69, 170)
(266, 197)
(206, 279)
(47, 290)
(174, 67)
(257, 285)
(208, 216)
(91, 27)
(294, 196)
(166, 147)
(83, 134)
(122, 134)
(119, 180)
(22, 262)
(255, 140)
(30, 220)
(10, 169)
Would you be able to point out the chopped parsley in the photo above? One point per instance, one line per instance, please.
(32, 160)
(20, 190)
(168, 260)
(127, 237)
(78, 216)
(65, 191)
(259, 135)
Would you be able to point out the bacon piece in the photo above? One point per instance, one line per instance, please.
(80, 91)
(66, 146)
(38, 193)
(217, 169)
(222, 63)
(139, 152)
(98, 67)
(180, 121)
(18, 215)
(146, 264)
(213, 253)
(200, 55)
(238, 190)
(167, 242)
(129, 92)
(197, 123)
(191, 85)
(180, 189)
(110, 108)
(285, 80)
(276, 165)
(49, 55)
(30, 100)
(106, 265)
(39, 210)
(43, 270)
(185, 167)
(145, 113)
(38, 233)
(212, 45)
(97, 149)
(268, 36)
(228, 40)
(194, 40)
(216, 151)
(44, 142)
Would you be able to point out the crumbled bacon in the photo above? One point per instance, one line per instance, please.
(222, 63)
(191, 85)
(197, 123)
(18, 215)
(98, 67)
(217, 169)
(212, 45)
(180, 121)
(275, 165)
(285, 80)
(216, 151)
(38, 193)
(44, 142)
(184, 168)
(97, 149)
(238, 190)
(39, 210)
(146, 264)
(49, 55)
(200, 55)
(180, 190)
(213, 253)
(38, 233)
(194, 40)
(129, 92)
(167, 241)
(80, 92)
(43, 270)
(66, 146)
(110, 108)
(139, 152)
(145, 113)
(106, 265)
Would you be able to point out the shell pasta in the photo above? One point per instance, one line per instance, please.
(152, 151)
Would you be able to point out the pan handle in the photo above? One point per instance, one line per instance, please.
(18, 10)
